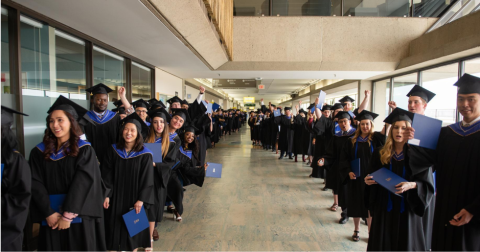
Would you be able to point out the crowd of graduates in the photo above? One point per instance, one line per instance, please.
(97, 163)
(438, 205)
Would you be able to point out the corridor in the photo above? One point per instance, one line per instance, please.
(260, 204)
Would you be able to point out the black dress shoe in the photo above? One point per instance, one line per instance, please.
(324, 189)
(281, 157)
(343, 220)
(290, 157)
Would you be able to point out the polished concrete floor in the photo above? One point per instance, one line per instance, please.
(260, 204)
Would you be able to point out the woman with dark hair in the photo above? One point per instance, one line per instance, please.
(128, 171)
(159, 134)
(67, 190)
(397, 221)
(360, 147)
(187, 172)
(16, 186)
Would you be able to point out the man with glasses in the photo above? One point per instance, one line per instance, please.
(141, 108)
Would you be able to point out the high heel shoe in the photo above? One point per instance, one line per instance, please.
(175, 217)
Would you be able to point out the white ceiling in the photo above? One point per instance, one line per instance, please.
(129, 26)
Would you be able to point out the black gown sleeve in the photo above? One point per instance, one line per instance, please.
(329, 156)
(344, 161)
(167, 163)
(16, 193)
(40, 199)
(145, 179)
(107, 170)
(85, 194)
(371, 191)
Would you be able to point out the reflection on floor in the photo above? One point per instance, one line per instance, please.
(260, 204)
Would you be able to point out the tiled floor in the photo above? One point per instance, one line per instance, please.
(260, 204)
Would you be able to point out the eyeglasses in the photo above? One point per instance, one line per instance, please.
(141, 111)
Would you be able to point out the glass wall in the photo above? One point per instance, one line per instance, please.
(382, 96)
(429, 8)
(53, 64)
(141, 82)
(8, 97)
(440, 80)
(473, 67)
(382, 8)
(251, 7)
(401, 86)
(306, 7)
(109, 69)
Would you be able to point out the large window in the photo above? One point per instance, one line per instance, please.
(141, 82)
(8, 99)
(53, 64)
(109, 69)
(473, 67)
(440, 80)
(382, 96)
(382, 8)
(401, 86)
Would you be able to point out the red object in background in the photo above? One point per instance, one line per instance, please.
(261, 86)
(3, 77)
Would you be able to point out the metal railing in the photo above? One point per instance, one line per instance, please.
(220, 13)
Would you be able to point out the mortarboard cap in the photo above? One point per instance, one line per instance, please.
(302, 111)
(468, 84)
(343, 114)
(346, 99)
(326, 107)
(366, 115)
(311, 106)
(140, 104)
(159, 112)
(120, 110)
(192, 128)
(273, 105)
(399, 114)
(421, 92)
(287, 108)
(134, 118)
(183, 113)
(7, 115)
(100, 88)
(117, 103)
(174, 99)
(78, 112)
(337, 106)
(184, 102)
(153, 100)
(157, 105)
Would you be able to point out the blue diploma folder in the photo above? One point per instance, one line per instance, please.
(214, 170)
(215, 106)
(427, 131)
(1, 172)
(56, 202)
(321, 99)
(387, 179)
(136, 223)
(355, 166)
(156, 149)
(276, 113)
(209, 108)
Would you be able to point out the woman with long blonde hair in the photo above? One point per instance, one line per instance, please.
(359, 150)
(159, 133)
(397, 221)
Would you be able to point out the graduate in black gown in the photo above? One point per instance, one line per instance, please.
(63, 164)
(397, 221)
(322, 131)
(299, 126)
(16, 186)
(159, 134)
(285, 138)
(128, 172)
(266, 127)
(310, 121)
(360, 147)
(141, 108)
(332, 159)
(190, 170)
(456, 224)
(104, 131)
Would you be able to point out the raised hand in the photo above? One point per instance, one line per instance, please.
(316, 101)
(121, 92)
(392, 104)
(367, 92)
(202, 89)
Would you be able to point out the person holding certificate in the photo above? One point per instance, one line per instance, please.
(357, 152)
(64, 165)
(16, 186)
(456, 161)
(127, 171)
(159, 134)
(397, 215)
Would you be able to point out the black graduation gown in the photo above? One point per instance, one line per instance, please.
(103, 132)
(161, 177)
(285, 139)
(80, 179)
(394, 230)
(305, 138)
(273, 130)
(16, 193)
(355, 188)
(266, 127)
(298, 125)
(251, 123)
(457, 163)
(332, 160)
(323, 132)
(130, 178)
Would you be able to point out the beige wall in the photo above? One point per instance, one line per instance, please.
(323, 43)
(167, 84)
